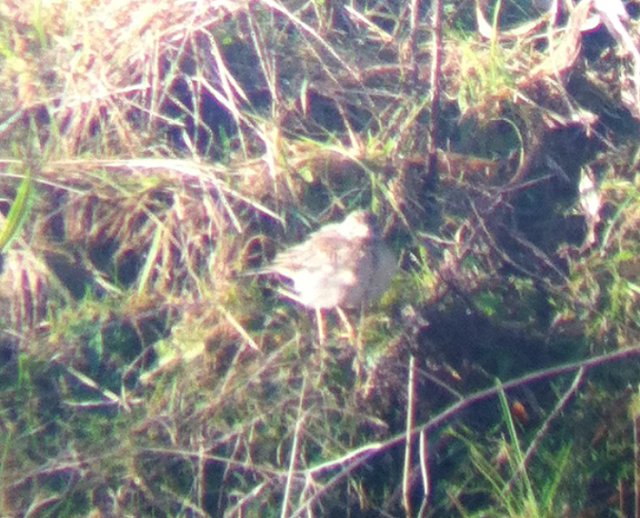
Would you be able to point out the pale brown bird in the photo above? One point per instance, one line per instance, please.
(341, 265)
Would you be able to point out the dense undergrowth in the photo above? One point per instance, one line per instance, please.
(153, 154)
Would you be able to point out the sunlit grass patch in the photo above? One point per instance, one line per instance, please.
(146, 369)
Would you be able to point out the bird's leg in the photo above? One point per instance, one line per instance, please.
(351, 334)
(320, 320)
(354, 340)
(359, 344)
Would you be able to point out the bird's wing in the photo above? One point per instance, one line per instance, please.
(317, 251)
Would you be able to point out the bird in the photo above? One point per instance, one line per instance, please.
(341, 265)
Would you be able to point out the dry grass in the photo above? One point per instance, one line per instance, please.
(176, 145)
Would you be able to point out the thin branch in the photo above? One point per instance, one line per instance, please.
(436, 65)
(406, 478)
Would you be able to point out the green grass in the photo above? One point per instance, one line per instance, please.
(153, 156)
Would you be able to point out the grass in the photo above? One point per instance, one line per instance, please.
(153, 155)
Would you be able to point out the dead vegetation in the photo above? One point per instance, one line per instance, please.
(168, 148)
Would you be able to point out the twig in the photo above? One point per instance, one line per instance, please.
(406, 478)
(436, 64)
(295, 451)
(424, 471)
(348, 463)
(542, 432)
